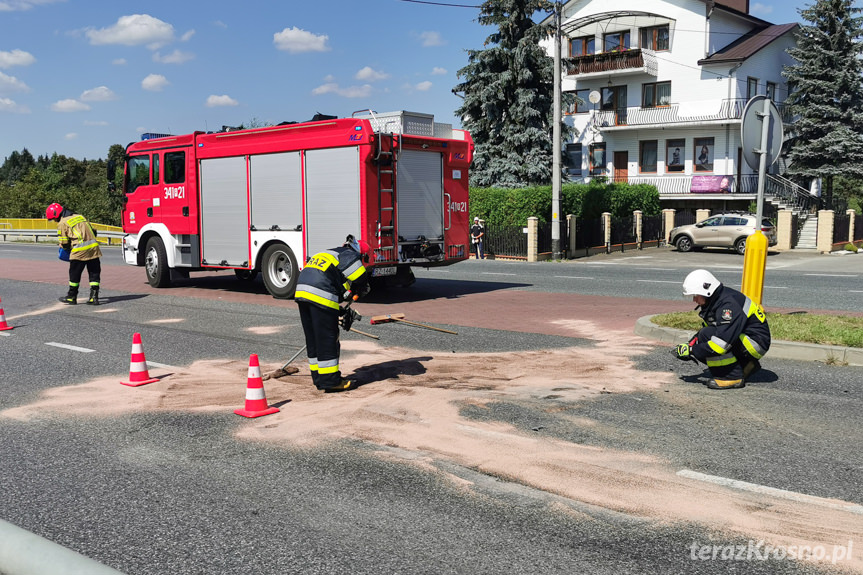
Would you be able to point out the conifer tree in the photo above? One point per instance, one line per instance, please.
(827, 93)
(508, 92)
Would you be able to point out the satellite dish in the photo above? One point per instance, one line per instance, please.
(594, 97)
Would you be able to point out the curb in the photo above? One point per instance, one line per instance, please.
(778, 348)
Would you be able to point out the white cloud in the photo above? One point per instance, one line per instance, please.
(363, 91)
(96, 123)
(154, 83)
(423, 86)
(370, 75)
(100, 94)
(7, 105)
(759, 9)
(12, 84)
(119, 61)
(21, 5)
(214, 101)
(187, 36)
(431, 39)
(134, 30)
(296, 41)
(70, 136)
(175, 57)
(16, 58)
(219, 24)
(437, 71)
(69, 105)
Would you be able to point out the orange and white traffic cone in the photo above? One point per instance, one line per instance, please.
(3, 325)
(138, 372)
(256, 399)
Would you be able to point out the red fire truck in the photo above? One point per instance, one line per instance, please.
(265, 199)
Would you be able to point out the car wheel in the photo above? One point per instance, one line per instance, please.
(740, 246)
(280, 271)
(684, 244)
(156, 263)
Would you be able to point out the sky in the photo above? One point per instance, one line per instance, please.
(77, 76)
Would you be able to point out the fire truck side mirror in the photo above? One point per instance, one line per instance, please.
(112, 167)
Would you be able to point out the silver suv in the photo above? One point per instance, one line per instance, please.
(726, 230)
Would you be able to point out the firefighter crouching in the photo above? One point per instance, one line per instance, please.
(735, 333)
(322, 285)
(77, 237)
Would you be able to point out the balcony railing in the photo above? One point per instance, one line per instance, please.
(632, 60)
(728, 109)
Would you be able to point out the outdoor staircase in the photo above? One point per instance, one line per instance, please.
(808, 238)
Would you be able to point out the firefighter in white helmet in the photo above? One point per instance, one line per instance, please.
(329, 278)
(735, 333)
(78, 237)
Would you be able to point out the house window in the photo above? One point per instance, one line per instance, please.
(655, 38)
(597, 159)
(675, 152)
(573, 159)
(647, 156)
(771, 91)
(616, 41)
(584, 46)
(653, 95)
(751, 87)
(614, 99)
(581, 105)
(703, 155)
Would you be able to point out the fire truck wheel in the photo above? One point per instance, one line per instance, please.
(156, 263)
(280, 271)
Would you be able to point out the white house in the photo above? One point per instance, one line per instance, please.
(664, 84)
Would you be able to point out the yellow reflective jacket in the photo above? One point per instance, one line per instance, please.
(76, 231)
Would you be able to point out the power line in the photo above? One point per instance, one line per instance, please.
(441, 4)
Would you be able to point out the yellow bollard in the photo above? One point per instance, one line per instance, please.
(754, 263)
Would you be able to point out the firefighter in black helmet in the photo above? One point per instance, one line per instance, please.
(327, 279)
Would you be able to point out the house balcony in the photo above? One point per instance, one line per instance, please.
(618, 63)
(720, 112)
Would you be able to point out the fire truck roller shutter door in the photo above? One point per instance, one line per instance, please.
(224, 213)
(332, 197)
(276, 190)
(420, 195)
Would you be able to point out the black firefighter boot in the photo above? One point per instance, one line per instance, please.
(72, 297)
(94, 296)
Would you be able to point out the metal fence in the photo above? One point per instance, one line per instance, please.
(544, 240)
(858, 227)
(623, 234)
(651, 229)
(841, 227)
(684, 217)
(509, 241)
(590, 236)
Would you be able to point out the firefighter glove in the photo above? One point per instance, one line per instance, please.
(347, 319)
(683, 352)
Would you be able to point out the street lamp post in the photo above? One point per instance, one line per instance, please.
(556, 146)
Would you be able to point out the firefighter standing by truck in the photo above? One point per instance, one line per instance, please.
(77, 237)
(326, 280)
(735, 333)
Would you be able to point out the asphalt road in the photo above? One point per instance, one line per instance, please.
(176, 492)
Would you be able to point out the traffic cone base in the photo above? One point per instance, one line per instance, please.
(3, 325)
(256, 399)
(139, 374)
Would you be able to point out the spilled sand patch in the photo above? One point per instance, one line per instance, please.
(412, 401)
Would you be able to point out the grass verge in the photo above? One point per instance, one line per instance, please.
(798, 326)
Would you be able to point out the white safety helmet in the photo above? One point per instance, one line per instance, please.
(700, 282)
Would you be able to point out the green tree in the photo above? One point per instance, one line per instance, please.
(827, 93)
(508, 92)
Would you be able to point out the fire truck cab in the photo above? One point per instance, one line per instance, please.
(263, 200)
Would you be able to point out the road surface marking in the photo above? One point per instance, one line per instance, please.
(831, 275)
(71, 347)
(161, 365)
(781, 493)
(775, 287)
(575, 277)
(658, 281)
(497, 274)
(4, 333)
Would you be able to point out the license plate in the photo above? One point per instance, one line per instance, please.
(379, 272)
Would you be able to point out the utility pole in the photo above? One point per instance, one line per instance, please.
(556, 147)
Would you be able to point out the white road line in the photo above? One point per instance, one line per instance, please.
(71, 347)
(772, 491)
(855, 291)
(658, 281)
(5, 333)
(161, 365)
(497, 274)
(831, 275)
(775, 287)
(575, 277)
